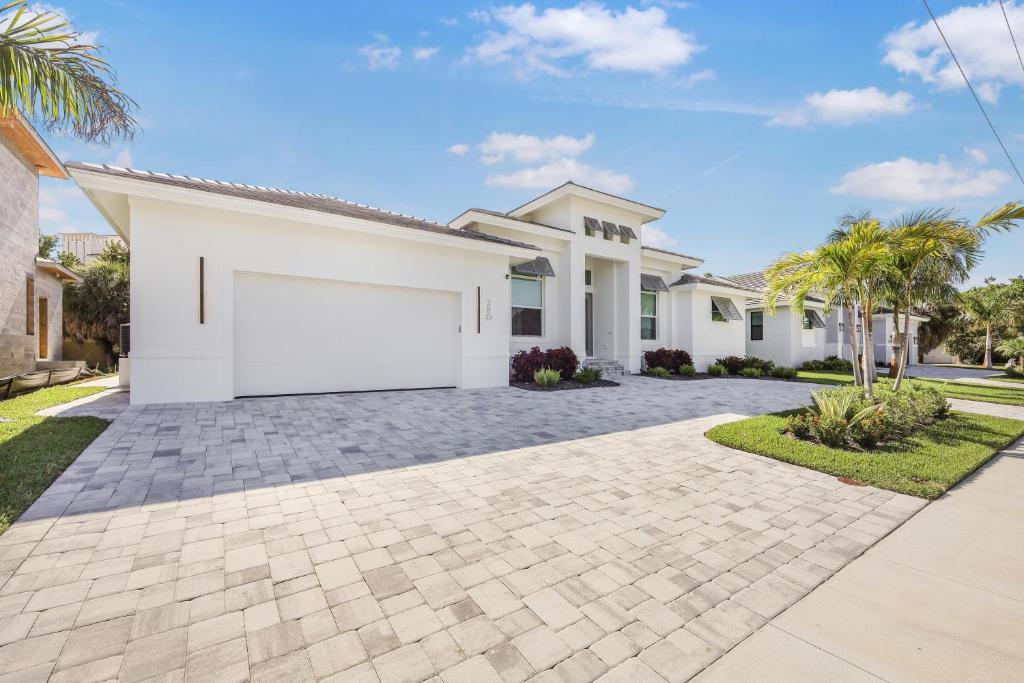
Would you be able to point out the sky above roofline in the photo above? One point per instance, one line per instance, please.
(756, 126)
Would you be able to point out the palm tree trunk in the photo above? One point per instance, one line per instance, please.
(851, 328)
(988, 346)
(894, 362)
(870, 374)
(904, 346)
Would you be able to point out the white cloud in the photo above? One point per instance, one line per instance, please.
(381, 56)
(458, 149)
(421, 54)
(980, 39)
(123, 159)
(449, 21)
(977, 154)
(632, 40)
(909, 180)
(846, 107)
(653, 236)
(530, 148)
(557, 172)
(690, 80)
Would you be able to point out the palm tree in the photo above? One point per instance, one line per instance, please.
(832, 270)
(984, 306)
(49, 74)
(933, 239)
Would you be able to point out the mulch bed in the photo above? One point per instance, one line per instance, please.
(564, 385)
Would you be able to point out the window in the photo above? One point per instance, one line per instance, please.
(808, 323)
(30, 305)
(527, 306)
(586, 278)
(756, 326)
(716, 313)
(813, 320)
(648, 315)
(724, 310)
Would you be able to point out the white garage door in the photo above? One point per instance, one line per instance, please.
(303, 335)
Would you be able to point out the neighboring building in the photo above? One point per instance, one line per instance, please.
(240, 290)
(31, 289)
(87, 246)
(786, 337)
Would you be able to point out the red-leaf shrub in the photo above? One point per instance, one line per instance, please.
(525, 363)
(667, 358)
(562, 359)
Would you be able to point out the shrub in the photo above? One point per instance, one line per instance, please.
(547, 377)
(830, 431)
(588, 375)
(732, 364)
(526, 363)
(717, 370)
(928, 403)
(782, 372)
(798, 425)
(687, 370)
(836, 411)
(564, 360)
(658, 371)
(869, 431)
(751, 372)
(830, 364)
(765, 366)
(667, 358)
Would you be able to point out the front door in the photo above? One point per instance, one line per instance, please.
(589, 324)
(44, 328)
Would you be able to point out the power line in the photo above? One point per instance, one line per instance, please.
(1012, 37)
(971, 88)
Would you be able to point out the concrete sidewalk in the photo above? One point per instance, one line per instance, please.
(939, 599)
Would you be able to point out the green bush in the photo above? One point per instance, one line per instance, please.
(836, 411)
(830, 431)
(658, 371)
(798, 425)
(869, 431)
(830, 364)
(687, 370)
(588, 375)
(782, 372)
(546, 377)
(733, 364)
(751, 372)
(765, 366)
(717, 370)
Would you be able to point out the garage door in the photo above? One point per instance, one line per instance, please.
(303, 335)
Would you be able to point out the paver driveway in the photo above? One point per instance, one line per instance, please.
(476, 535)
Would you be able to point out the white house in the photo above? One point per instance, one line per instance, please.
(240, 290)
(787, 338)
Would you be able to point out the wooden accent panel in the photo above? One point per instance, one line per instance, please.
(202, 290)
(44, 327)
(30, 305)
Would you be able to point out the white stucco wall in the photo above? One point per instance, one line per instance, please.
(175, 358)
(704, 338)
(785, 341)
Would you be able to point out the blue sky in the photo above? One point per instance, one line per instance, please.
(756, 125)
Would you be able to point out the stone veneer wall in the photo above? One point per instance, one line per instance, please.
(19, 244)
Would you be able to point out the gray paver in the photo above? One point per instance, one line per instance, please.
(404, 535)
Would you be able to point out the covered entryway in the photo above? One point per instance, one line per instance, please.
(297, 335)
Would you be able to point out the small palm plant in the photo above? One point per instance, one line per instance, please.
(834, 413)
(547, 378)
(1014, 348)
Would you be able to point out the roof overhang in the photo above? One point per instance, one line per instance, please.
(23, 136)
(646, 212)
(112, 194)
(57, 270)
(472, 217)
(707, 287)
(682, 261)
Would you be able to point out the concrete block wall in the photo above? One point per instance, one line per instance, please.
(19, 243)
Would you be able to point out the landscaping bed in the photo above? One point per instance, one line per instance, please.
(925, 464)
(35, 450)
(962, 390)
(564, 384)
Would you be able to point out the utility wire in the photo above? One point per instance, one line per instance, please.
(971, 88)
(1012, 37)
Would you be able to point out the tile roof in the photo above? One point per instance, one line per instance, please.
(687, 279)
(757, 281)
(667, 251)
(499, 214)
(300, 200)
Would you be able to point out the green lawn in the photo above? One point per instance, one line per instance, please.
(970, 392)
(1008, 378)
(34, 450)
(924, 465)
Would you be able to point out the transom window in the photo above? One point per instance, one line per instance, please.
(527, 306)
(648, 315)
(756, 325)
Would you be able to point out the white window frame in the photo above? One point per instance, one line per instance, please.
(655, 316)
(512, 306)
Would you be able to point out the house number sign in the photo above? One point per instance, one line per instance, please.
(487, 310)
